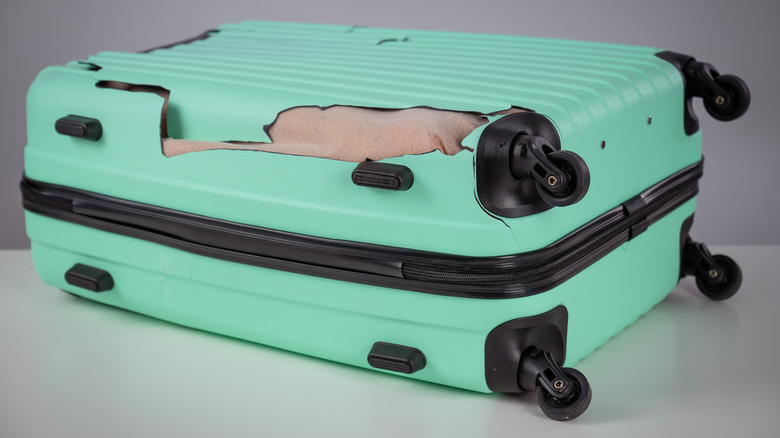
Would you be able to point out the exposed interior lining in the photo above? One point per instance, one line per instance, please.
(339, 132)
(349, 133)
(353, 133)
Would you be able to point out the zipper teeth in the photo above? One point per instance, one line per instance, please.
(512, 275)
(506, 276)
(423, 273)
(521, 274)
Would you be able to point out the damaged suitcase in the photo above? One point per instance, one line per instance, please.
(477, 211)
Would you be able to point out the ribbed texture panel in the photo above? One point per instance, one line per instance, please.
(284, 65)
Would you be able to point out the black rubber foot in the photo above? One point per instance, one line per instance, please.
(570, 407)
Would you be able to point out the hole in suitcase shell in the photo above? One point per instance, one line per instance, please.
(160, 91)
(350, 133)
(338, 132)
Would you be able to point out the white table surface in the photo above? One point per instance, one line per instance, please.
(73, 368)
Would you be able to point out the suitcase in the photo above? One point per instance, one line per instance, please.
(562, 215)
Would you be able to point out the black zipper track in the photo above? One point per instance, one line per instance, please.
(498, 277)
(587, 244)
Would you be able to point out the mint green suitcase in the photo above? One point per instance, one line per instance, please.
(560, 219)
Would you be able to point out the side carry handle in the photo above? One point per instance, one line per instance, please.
(383, 176)
(80, 127)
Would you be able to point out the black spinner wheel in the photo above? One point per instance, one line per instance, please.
(728, 287)
(577, 176)
(571, 406)
(737, 102)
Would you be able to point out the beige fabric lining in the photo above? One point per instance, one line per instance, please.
(353, 134)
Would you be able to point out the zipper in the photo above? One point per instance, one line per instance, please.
(497, 277)
(582, 247)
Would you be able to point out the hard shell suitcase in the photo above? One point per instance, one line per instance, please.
(561, 216)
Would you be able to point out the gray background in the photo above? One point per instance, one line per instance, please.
(738, 203)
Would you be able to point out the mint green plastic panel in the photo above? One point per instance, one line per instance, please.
(231, 85)
(340, 321)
